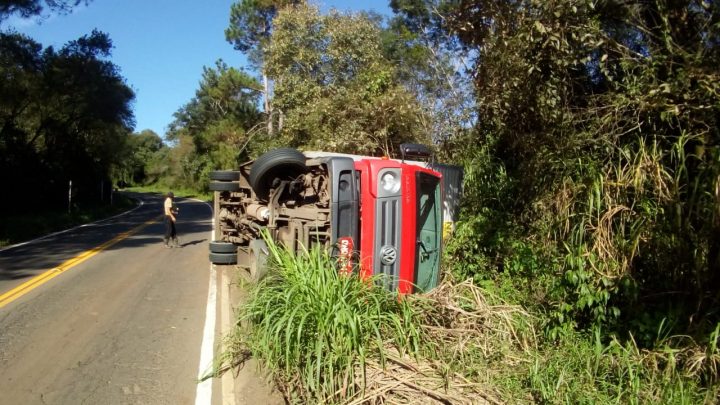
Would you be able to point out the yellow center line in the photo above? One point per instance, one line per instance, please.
(48, 275)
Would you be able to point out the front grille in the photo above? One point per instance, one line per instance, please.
(387, 241)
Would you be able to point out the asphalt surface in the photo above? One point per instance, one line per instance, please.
(123, 327)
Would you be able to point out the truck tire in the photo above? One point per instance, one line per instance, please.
(282, 163)
(222, 247)
(223, 258)
(225, 175)
(224, 186)
(258, 260)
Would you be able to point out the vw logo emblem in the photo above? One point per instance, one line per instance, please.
(388, 255)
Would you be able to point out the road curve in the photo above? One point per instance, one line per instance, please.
(124, 326)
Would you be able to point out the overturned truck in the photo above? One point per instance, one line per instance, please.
(376, 215)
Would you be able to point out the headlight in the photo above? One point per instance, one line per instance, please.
(390, 182)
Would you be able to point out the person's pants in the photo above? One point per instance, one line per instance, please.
(170, 232)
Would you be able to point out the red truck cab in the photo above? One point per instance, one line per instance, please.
(401, 223)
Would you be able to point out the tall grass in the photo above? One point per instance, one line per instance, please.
(334, 338)
(585, 370)
(316, 328)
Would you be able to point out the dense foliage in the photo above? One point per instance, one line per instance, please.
(142, 159)
(595, 186)
(64, 115)
(318, 328)
(215, 128)
(335, 88)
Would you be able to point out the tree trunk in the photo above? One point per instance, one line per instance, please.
(268, 108)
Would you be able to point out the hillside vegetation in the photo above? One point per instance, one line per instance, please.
(588, 132)
(585, 267)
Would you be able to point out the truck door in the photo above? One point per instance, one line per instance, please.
(344, 211)
(428, 232)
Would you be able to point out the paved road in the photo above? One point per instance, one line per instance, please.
(124, 326)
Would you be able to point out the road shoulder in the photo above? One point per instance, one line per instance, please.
(248, 384)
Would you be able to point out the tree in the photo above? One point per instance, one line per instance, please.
(64, 115)
(599, 140)
(139, 151)
(334, 85)
(432, 65)
(249, 31)
(30, 8)
(218, 122)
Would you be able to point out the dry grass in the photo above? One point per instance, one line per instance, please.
(461, 331)
(461, 316)
(403, 380)
(681, 354)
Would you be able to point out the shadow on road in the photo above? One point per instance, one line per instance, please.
(195, 242)
(32, 259)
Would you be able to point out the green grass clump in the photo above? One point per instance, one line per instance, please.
(315, 327)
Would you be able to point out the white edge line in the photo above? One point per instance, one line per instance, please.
(227, 381)
(203, 393)
(17, 245)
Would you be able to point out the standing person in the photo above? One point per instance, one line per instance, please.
(170, 231)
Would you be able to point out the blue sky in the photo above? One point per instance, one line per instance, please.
(160, 46)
